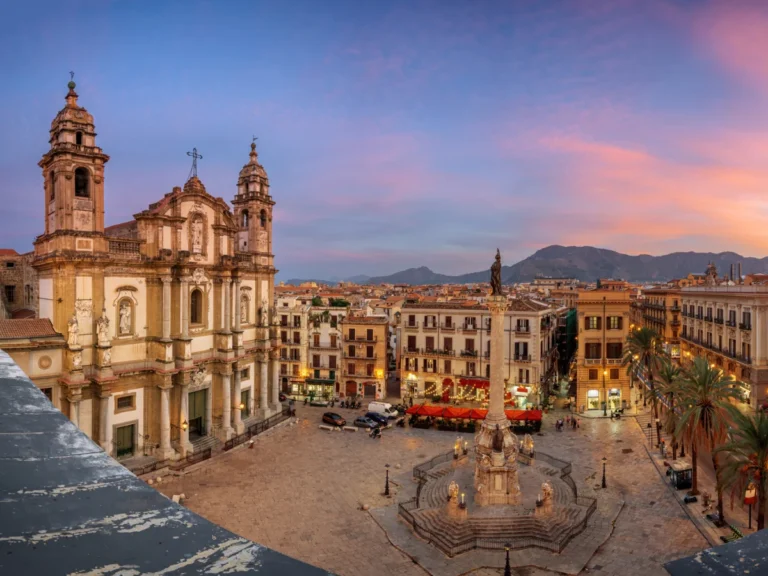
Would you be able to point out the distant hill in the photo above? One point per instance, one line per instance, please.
(588, 264)
(358, 279)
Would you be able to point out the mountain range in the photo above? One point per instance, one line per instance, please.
(588, 263)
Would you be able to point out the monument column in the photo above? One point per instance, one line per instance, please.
(276, 381)
(238, 417)
(226, 406)
(497, 306)
(263, 384)
(105, 422)
(236, 303)
(227, 304)
(184, 419)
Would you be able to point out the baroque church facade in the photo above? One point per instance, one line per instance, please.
(170, 328)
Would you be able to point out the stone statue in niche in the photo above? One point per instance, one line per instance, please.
(125, 318)
(102, 327)
(243, 310)
(73, 330)
(264, 312)
(197, 236)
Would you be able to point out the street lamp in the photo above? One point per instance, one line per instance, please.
(507, 567)
(604, 461)
(605, 394)
(184, 425)
(658, 433)
(386, 482)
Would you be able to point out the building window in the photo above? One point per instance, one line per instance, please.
(297, 337)
(614, 373)
(245, 374)
(593, 351)
(284, 369)
(613, 350)
(10, 264)
(448, 367)
(592, 374)
(48, 394)
(351, 369)
(614, 322)
(592, 323)
(263, 218)
(79, 138)
(125, 403)
(81, 183)
(10, 293)
(369, 370)
(245, 400)
(244, 219)
(295, 370)
(52, 184)
(196, 307)
(332, 362)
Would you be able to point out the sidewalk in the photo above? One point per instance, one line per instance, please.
(736, 516)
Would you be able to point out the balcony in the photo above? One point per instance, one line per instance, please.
(436, 352)
(469, 328)
(324, 347)
(412, 326)
(469, 353)
(614, 360)
(745, 326)
(719, 321)
(708, 318)
(321, 366)
(409, 350)
(675, 308)
(654, 306)
(359, 357)
(592, 361)
(363, 339)
(699, 316)
(522, 358)
(450, 327)
(731, 323)
(522, 329)
(430, 326)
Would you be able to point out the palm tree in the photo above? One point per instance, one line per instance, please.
(705, 392)
(668, 377)
(644, 347)
(747, 457)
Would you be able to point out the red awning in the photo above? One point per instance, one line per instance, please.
(447, 382)
(478, 414)
(531, 415)
(522, 389)
(473, 413)
(456, 412)
(480, 383)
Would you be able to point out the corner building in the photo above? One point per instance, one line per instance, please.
(171, 338)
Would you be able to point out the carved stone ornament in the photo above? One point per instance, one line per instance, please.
(77, 360)
(83, 307)
(198, 378)
(198, 276)
(102, 327)
(44, 362)
(106, 358)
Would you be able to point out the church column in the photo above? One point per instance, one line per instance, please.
(166, 307)
(105, 432)
(276, 381)
(184, 302)
(74, 410)
(209, 410)
(184, 418)
(227, 293)
(263, 383)
(238, 418)
(165, 423)
(226, 406)
(236, 304)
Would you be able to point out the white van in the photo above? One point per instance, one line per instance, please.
(383, 408)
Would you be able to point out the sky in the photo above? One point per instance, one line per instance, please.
(401, 134)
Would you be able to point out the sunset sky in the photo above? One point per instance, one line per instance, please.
(400, 134)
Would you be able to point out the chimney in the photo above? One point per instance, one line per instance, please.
(739, 282)
(731, 278)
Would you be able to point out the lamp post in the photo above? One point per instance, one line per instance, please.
(604, 461)
(507, 567)
(386, 482)
(658, 433)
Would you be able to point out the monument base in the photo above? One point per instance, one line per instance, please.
(496, 480)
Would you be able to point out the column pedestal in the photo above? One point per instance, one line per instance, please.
(226, 407)
(237, 417)
(276, 406)
(105, 422)
(166, 452)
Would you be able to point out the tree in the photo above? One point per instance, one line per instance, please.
(705, 392)
(644, 347)
(746, 457)
(668, 377)
(317, 301)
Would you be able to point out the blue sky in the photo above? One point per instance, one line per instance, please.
(401, 134)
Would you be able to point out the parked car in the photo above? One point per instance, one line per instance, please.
(376, 417)
(384, 408)
(334, 419)
(365, 422)
(319, 402)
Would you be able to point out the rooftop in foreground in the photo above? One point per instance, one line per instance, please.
(68, 508)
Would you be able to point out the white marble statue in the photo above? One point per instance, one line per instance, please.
(125, 318)
(243, 310)
(197, 236)
(102, 327)
(264, 312)
(73, 330)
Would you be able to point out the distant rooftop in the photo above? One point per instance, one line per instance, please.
(26, 328)
(68, 508)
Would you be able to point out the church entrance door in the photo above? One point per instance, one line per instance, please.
(351, 389)
(197, 405)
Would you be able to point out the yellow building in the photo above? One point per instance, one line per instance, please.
(603, 317)
(364, 349)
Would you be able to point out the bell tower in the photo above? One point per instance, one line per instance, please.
(253, 210)
(73, 172)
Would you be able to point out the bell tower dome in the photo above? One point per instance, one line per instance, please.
(253, 210)
(73, 172)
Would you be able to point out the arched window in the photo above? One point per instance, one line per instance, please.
(81, 183)
(263, 218)
(79, 138)
(51, 183)
(196, 307)
(244, 223)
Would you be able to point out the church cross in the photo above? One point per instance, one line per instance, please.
(195, 156)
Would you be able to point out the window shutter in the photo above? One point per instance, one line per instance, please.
(586, 322)
(599, 323)
(620, 323)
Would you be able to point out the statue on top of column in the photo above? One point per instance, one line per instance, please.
(496, 276)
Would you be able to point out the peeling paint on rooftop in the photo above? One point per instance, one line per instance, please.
(68, 508)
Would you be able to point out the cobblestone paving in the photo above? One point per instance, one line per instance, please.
(299, 491)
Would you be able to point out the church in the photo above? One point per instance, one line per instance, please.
(169, 321)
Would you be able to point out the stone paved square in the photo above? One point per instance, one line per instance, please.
(300, 491)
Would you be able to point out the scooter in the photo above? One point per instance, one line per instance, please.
(375, 433)
(401, 423)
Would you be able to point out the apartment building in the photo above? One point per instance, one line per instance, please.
(445, 347)
(364, 349)
(323, 374)
(660, 310)
(293, 320)
(602, 382)
(727, 325)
